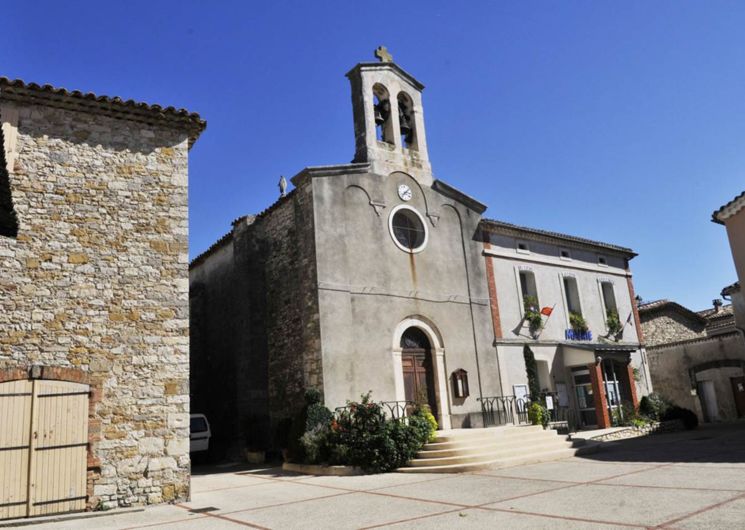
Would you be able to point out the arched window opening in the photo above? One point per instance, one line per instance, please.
(415, 339)
(406, 120)
(382, 110)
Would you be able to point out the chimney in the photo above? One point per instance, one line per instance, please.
(717, 303)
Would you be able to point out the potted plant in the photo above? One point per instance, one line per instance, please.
(532, 315)
(613, 323)
(578, 323)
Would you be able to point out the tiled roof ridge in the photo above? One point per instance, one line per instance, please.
(705, 338)
(660, 304)
(19, 90)
(212, 248)
(736, 204)
(559, 235)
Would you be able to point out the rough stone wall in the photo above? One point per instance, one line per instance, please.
(258, 321)
(669, 367)
(96, 280)
(669, 326)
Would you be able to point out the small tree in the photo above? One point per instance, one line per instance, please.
(531, 369)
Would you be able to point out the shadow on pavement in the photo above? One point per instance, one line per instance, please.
(717, 443)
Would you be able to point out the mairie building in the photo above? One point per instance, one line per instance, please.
(377, 275)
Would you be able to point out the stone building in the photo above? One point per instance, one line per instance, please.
(94, 346)
(696, 359)
(376, 275)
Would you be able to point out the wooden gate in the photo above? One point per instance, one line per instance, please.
(43, 447)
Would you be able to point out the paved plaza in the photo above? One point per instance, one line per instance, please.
(692, 479)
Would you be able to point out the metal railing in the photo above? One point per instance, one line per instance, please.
(396, 410)
(505, 410)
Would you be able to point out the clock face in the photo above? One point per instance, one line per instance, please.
(404, 192)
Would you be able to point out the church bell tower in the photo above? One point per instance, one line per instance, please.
(388, 118)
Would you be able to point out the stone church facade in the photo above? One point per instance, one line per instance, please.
(93, 300)
(368, 276)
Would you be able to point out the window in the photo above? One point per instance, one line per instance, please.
(522, 247)
(528, 289)
(408, 229)
(572, 295)
(565, 254)
(609, 297)
(602, 261)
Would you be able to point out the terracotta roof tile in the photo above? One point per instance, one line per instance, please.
(18, 90)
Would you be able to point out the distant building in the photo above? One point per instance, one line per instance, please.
(375, 275)
(94, 345)
(696, 359)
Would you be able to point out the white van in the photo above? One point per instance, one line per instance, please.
(199, 433)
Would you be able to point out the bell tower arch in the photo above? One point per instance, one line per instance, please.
(388, 118)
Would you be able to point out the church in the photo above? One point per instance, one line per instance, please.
(377, 276)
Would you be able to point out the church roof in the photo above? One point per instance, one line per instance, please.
(727, 210)
(492, 224)
(116, 107)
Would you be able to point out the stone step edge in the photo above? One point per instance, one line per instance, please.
(490, 455)
(460, 468)
(490, 448)
(495, 439)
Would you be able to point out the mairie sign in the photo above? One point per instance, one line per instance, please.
(571, 334)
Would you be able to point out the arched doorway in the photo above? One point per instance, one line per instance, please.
(418, 368)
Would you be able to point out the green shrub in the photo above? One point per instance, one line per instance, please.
(687, 416)
(425, 412)
(531, 370)
(317, 414)
(654, 406)
(315, 444)
(362, 436)
(537, 414)
(311, 415)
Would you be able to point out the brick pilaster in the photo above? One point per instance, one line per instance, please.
(632, 386)
(492, 285)
(598, 390)
(635, 309)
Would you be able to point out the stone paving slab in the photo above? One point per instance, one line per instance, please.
(347, 511)
(576, 470)
(470, 490)
(481, 518)
(727, 515)
(218, 481)
(271, 493)
(156, 515)
(728, 479)
(372, 482)
(617, 504)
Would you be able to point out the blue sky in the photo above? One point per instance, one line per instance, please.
(617, 121)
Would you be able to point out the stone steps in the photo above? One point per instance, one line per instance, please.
(471, 449)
